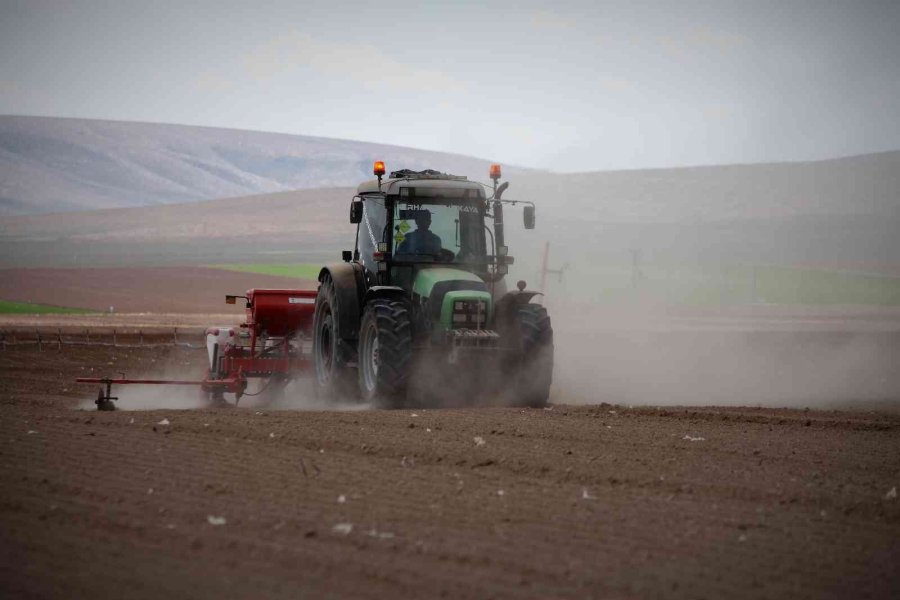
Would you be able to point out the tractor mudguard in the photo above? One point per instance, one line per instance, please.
(349, 286)
(385, 291)
(510, 300)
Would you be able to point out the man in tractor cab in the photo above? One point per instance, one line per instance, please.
(421, 241)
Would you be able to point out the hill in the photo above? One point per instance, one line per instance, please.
(286, 226)
(840, 213)
(65, 165)
(858, 185)
(55, 165)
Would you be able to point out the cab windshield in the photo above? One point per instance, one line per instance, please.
(440, 232)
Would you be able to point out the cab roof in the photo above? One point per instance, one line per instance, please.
(422, 179)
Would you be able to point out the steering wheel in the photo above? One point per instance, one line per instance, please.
(445, 255)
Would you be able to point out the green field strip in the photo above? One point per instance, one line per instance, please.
(742, 284)
(700, 286)
(26, 308)
(784, 285)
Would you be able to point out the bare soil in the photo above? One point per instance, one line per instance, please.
(591, 501)
(105, 323)
(192, 290)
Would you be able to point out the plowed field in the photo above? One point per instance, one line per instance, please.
(589, 501)
(133, 290)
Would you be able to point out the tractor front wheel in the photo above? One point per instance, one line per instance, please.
(385, 352)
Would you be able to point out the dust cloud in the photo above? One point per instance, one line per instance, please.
(261, 393)
(153, 397)
(769, 284)
(639, 356)
(301, 394)
(175, 367)
(753, 356)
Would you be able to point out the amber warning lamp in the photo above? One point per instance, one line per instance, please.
(378, 169)
(495, 172)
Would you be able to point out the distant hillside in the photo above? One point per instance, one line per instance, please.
(65, 165)
(711, 216)
(842, 212)
(61, 165)
(859, 187)
(301, 225)
(867, 185)
(316, 213)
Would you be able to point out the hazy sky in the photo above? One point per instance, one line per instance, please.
(567, 86)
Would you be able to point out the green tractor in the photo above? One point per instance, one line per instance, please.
(419, 309)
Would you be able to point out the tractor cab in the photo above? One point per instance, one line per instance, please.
(419, 219)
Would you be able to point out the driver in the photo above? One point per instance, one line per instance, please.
(421, 241)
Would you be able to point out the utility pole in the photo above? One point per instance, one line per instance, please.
(546, 269)
(543, 285)
(636, 273)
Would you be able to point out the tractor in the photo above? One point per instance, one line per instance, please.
(417, 311)
(419, 308)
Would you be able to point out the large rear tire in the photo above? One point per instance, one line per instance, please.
(334, 378)
(534, 364)
(385, 352)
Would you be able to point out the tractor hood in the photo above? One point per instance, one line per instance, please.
(426, 279)
(443, 286)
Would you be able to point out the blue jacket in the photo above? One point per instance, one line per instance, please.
(420, 241)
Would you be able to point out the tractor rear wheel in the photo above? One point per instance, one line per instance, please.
(534, 364)
(385, 352)
(334, 378)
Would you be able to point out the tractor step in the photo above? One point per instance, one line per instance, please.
(473, 337)
(465, 341)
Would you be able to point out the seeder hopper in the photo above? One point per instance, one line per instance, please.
(273, 344)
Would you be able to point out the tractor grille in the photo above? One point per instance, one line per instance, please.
(469, 314)
(470, 343)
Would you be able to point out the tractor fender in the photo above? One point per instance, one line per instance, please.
(507, 303)
(349, 287)
(384, 291)
(517, 297)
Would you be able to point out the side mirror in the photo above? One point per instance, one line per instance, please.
(356, 211)
(528, 217)
(346, 255)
